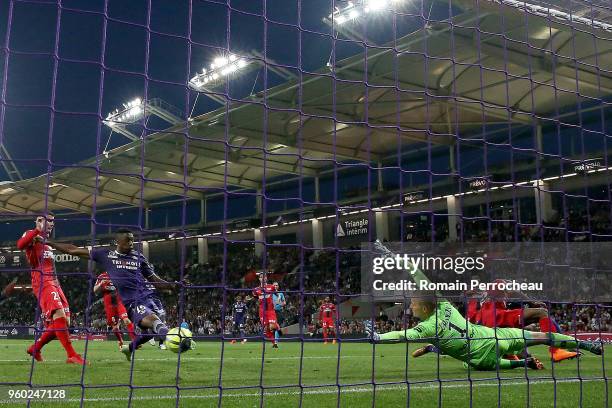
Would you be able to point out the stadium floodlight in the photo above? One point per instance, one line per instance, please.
(132, 112)
(353, 11)
(137, 109)
(220, 69)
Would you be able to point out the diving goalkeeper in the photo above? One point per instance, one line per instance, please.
(475, 345)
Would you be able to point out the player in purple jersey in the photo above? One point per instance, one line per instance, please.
(131, 273)
(239, 317)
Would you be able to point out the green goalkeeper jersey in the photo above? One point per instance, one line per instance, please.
(453, 335)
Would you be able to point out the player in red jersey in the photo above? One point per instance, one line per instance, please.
(114, 308)
(267, 315)
(47, 289)
(494, 312)
(327, 317)
(472, 310)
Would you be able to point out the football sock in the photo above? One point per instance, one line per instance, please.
(118, 334)
(46, 337)
(269, 334)
(432, 349)
(506, 364)
(547, 325)
(61, 331)
(591, 346)
(563, 341)
(160, 329)
(131, 332)
(139, 340)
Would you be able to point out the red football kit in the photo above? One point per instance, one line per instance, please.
(327, 312)
(473, 312)
(50, 297)
(113, 306)
(267, 314)
(496, 314)
(45, 285)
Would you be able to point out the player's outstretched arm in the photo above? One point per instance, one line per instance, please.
(69, 249)
(422, 331)
(27, 238)
(98, 286)
(417, 275)
(164, 284)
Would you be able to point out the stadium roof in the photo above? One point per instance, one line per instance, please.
(489, 65)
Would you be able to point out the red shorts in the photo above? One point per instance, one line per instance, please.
(502, 318)
(328, 323)
(114, 312)
(50, 299)
(267, 317)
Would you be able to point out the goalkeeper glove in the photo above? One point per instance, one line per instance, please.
(370, 331)
(378, 246)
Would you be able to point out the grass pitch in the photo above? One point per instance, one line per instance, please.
(329, 375)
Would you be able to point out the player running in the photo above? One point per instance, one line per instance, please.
(113, 307)
(477, 346)
(130, 271)
(46, 287)
(267, 315)
(327, 317)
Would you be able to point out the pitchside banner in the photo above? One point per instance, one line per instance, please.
(556, 272)
(11, 259)
(348, 227)
(16, 332)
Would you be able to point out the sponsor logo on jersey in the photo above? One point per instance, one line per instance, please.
(65, 258)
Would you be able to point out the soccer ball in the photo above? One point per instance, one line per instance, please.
(179, 339)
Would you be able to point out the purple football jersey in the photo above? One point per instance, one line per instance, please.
(128, 272)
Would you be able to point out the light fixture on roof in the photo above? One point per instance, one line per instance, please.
(352, 11)
(375, 5)
(132, 112)
(53, 185)
(221, 68)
